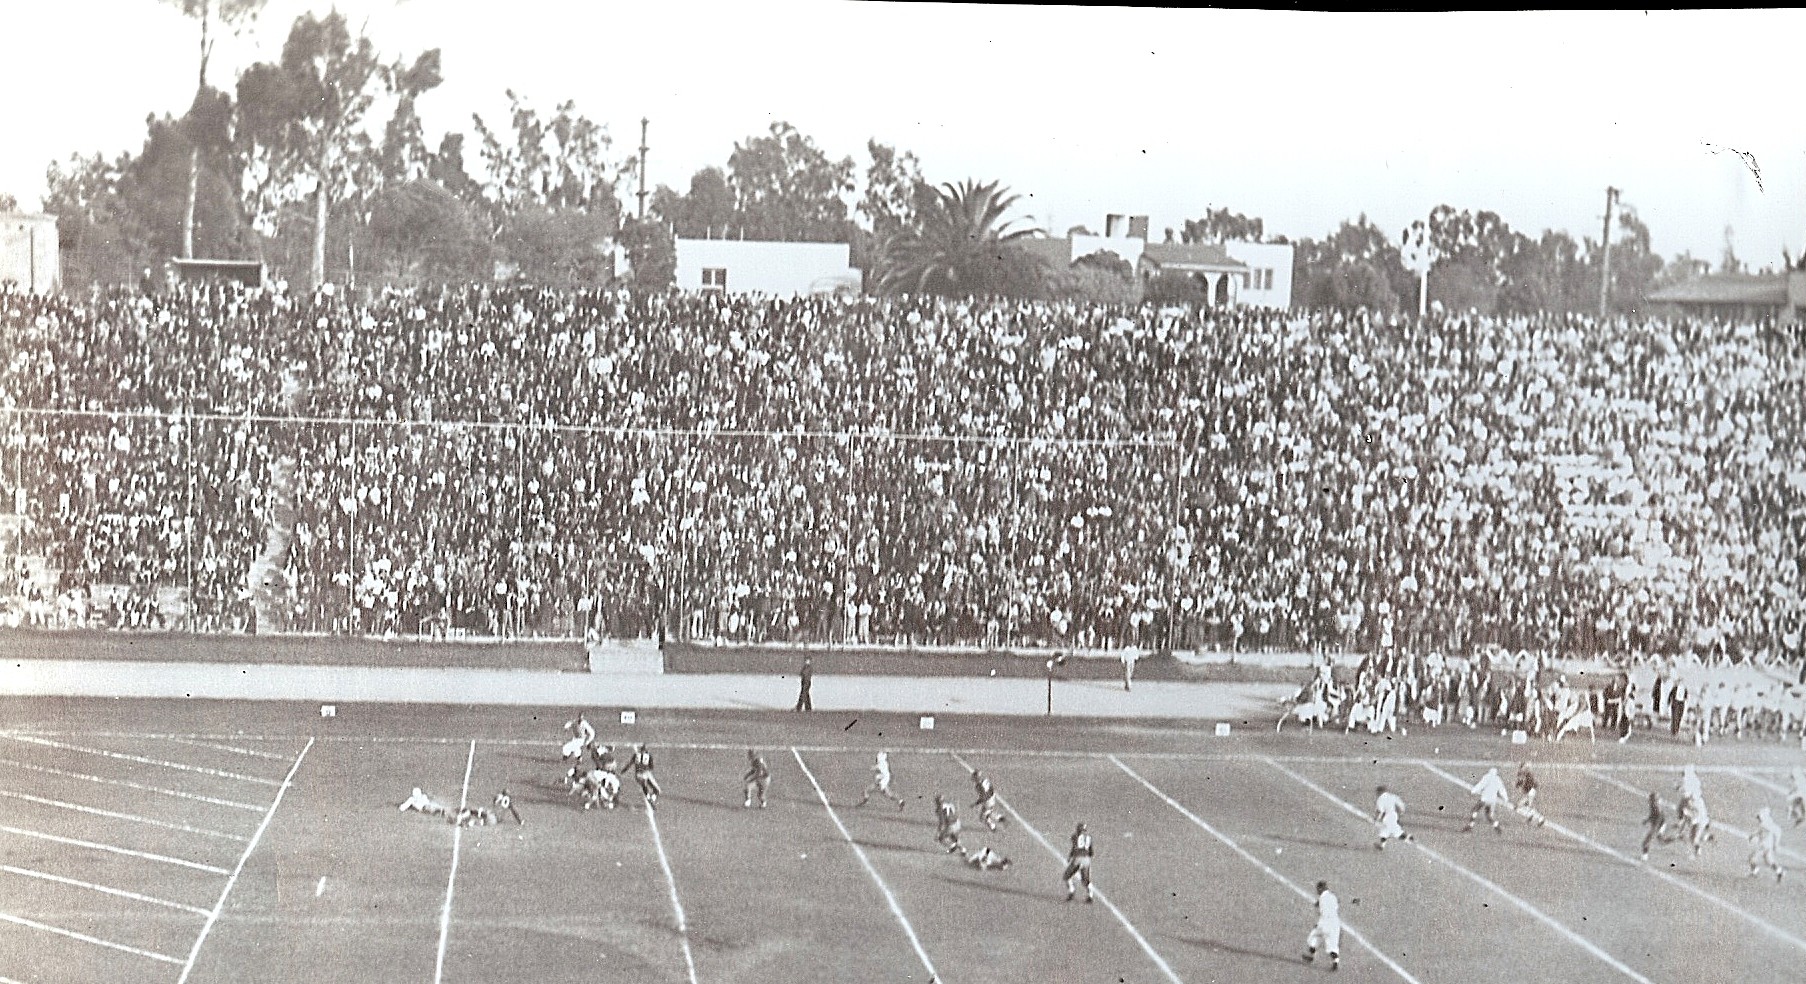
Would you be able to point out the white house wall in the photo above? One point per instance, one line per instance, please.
(771, 268)
(1261, 257)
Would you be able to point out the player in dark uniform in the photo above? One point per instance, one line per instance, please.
(505, 802)
(641, 763)
(1655, 825)
(946, 817)
(987, 800)
(1527, 796)
(758, 778)
(1078, 863)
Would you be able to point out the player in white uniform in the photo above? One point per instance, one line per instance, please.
(583, 735)
(881, 782)
(985, 859)
(1386, 808)
(420, 801)
(1764, 840)
(1490, 794)
(1694, 816)
(1327, 934)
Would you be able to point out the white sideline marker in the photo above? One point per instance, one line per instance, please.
(320, 889)
(451, 880)
(329, 710)
(927, 723)
(629, 717)
(1222, 729)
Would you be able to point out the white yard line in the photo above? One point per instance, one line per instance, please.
(110, 849)
(1643, 795)
(120, 892)
(1750, 777)
(1296, 889)
(85, 938)
(270, 814)
(451, 880)
(1481, 880)
(143, 760)
(234, 749)
(1146, 947)
(95, 811)
(859, 852)
(1682, 884)
(141, 787)
(683, 922)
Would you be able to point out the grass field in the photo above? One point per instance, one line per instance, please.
(161, 841)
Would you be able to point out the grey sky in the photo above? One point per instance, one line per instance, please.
(1302, 119)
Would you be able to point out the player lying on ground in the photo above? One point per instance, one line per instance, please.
(423, 803)
(985, 859)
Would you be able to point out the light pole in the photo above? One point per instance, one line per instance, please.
(1057, 661)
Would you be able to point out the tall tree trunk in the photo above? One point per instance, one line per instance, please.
(319, 260)
(194, 182)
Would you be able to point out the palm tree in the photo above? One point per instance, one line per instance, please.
(961, 247)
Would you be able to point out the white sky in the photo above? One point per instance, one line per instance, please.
(1301, 119)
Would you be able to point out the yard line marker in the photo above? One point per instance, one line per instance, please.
(8, 980)
(110, 849)
(320, 889)
(122, 893)
(1750, 777)
(180, 794)
(85, 938)
(59, 804)
(1263, 866)
(859, 852)
(451, 880)
(1682, 884)
(683, 924)
(225, 748)
(122, 756)
(1146, 947)
(1643, 794)
(1481, 880)
(213, 917)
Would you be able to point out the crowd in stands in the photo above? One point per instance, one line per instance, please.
(510, 460)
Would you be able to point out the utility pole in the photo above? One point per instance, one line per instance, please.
(1605, 256)
(642, 195)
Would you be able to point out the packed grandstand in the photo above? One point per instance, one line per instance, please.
(512, 461)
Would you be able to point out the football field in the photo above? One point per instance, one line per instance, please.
(160, 841)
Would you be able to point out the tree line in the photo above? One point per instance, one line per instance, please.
(317, 163)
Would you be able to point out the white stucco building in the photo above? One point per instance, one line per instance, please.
(30, 255)
(775, 269)
(1232, 273)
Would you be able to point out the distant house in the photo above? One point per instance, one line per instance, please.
(1233, 274)
(738, 266)
(1778, 297)
(30, 255)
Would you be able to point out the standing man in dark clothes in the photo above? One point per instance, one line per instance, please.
(803, 700)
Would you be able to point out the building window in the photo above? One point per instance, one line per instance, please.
(714, 278)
